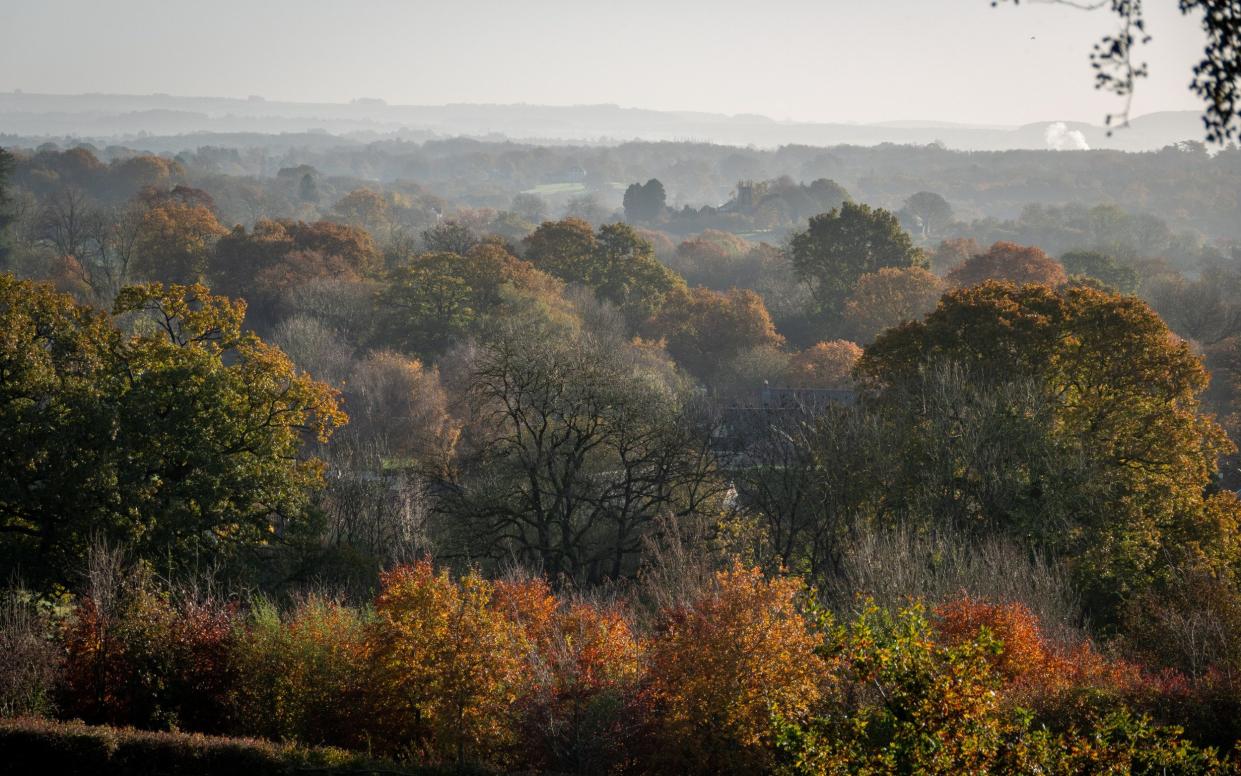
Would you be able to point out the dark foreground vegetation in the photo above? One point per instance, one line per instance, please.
(623, 491)
(32, 745)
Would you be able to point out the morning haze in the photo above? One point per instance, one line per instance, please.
(803, 60)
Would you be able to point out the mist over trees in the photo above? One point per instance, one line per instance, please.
(642, 458)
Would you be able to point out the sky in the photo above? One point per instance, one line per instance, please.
(805, 60)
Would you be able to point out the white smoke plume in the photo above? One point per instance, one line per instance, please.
(1059, 137)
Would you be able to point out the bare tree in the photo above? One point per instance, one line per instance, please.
(573, 455)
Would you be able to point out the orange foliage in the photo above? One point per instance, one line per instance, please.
(704, 329)
(175, 241)
(722, 666)
(825, 365)
(1024, 653)
(447, 666)
(953, 252)
(1057, 679)
(1015, 263)
(890, 297)
(281, 254)
(575, 646)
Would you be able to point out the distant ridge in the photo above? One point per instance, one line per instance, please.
(135, 118)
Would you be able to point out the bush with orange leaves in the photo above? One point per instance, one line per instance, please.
(1062, 683)
(910, 696)
(446, 665)
(583, 663)
(1024, 656)
(724, 668)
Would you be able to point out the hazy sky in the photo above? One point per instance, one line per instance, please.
(818, 60)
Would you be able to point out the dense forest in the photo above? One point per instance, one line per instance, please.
(647, 458)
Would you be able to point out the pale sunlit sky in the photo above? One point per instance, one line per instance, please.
(812, 60)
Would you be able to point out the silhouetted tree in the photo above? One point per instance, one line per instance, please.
(644, 202)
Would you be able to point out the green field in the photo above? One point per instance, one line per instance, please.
(545, 189)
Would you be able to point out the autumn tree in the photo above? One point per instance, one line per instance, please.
(951, 253)
(363, 208)
(274, 257)
(181, 438)
(144, 171)
(716, 259)
(176, 240)
(713, 247)
(890, 297)
(1011, 262)
(1124, 403)
(824, 365)
(891, 684)
(840, 246)
(584, 660)
(298, 674)
(727, 664)
(704, 329)
(447, 665)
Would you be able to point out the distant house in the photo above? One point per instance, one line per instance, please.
(803, 398)
(743, 421)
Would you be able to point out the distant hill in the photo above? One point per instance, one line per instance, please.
(168, 123)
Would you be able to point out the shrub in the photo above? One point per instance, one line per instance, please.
(299, 677)
(583, 662)
(74, 749)
(148, 661)
(28, 656)
(1063, 683)
(1022, 653)
(446, 666)
(722, 666)
(908, 697)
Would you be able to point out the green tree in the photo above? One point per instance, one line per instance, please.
(932, 209)
(644, 202)
(627, 274)
(437, 298)
(1124, 398)
(1102, 267)
(840, 246)
(180, 440)
(616, 263)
